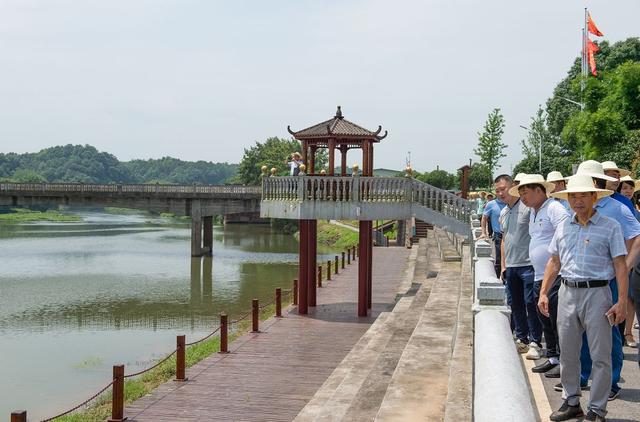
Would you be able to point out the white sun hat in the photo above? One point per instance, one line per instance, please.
(531, 179)
(594, 169)
(636, 183)
(610, 165)
(555, 176)
(581, 183)
(519, 177)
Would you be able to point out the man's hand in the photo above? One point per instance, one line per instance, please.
(503, 275)
(619, 311)
(543, 305)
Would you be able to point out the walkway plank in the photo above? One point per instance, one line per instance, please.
(270, 376)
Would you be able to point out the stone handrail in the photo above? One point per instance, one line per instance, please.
(366, 190)
(500, 389)
(126, 188)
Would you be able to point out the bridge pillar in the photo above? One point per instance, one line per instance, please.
(311, 262)
(196, 228)
(303, 254)
(207, 236)
(365, 228)
(369, 263)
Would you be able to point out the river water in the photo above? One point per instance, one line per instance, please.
(77, 298)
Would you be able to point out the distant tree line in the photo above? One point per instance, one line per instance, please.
(85, 164)
(606, 128)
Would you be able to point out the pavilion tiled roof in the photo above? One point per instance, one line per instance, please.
(337, 127)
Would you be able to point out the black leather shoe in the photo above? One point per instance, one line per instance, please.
(593, 416)
(567, 412)
(553, 373)
(543, 367)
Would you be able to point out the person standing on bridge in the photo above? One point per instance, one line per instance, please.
(294, 164)
(491, 217)
(518, 271)
(587, 250)
(546, 215)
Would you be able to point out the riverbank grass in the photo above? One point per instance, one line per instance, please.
(336, 237)
(23, 215)
(140, 386)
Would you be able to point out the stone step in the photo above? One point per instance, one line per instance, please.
(448, 252)
(334, 399)
(419, 385)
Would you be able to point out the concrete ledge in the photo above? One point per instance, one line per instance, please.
(501, 392)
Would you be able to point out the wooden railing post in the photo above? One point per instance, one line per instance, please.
(295, 291)
(255, 314)
(353, 253)
(117, 399)
(348, 256)
(319, 275)
(342, 266)
(278, 303)
(180, 359)
(19, 416)
(224, 333)
(329, 270)
(336, 269)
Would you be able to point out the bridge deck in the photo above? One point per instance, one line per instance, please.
(270, 376)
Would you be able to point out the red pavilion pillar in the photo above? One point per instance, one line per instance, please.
(311, 261)
(303, 304)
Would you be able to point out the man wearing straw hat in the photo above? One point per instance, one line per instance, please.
(546, 215)
(611, 169)
(519, 274)
(587, 250)
(560, 183)
(615, 210)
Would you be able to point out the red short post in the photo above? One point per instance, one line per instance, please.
(353, 252)
(278, 303)
(319, 275)
(329, 270)
(348, 256)
(180, 358)
(19, 416)
(357, 250)
(255, 314)
(224, 334)
(336, 269)
(342, 266)
(295, 291)
(117, 400)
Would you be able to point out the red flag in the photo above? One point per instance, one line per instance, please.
(592, 26)
(592, 49)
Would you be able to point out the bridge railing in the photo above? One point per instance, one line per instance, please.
(127, 188)
(366, 189)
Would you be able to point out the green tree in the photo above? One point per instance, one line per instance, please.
(273, 153)
(27, 176)
(490, 146)
(479, 177)
(553, 156)
(438, 178)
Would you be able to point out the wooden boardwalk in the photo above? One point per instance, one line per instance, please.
(270, 376)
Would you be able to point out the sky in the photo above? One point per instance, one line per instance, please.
(202, 80)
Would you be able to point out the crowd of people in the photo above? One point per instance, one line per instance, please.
(568, 251)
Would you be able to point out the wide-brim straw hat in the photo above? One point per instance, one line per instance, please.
(581, 183)
(636, 183)
(594, 169)
(519, 177)
(556, 176)
(531, 179)
(610, 165)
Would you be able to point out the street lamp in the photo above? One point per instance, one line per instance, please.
(539, 149)
(573, 102)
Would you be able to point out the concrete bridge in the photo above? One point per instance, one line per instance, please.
(200, 203)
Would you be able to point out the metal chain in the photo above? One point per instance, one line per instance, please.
(154, 366)
(84, 403)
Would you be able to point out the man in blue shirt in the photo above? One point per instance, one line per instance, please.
(491, 215)
(611, 169)
(587, 250)
(631, 232)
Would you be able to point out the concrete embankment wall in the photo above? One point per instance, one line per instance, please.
(500, 390)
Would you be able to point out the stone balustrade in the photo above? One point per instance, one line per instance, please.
(363, 198)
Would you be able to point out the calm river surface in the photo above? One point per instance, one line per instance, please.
(76, 298)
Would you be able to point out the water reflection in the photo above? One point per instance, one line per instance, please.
(118, 288)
